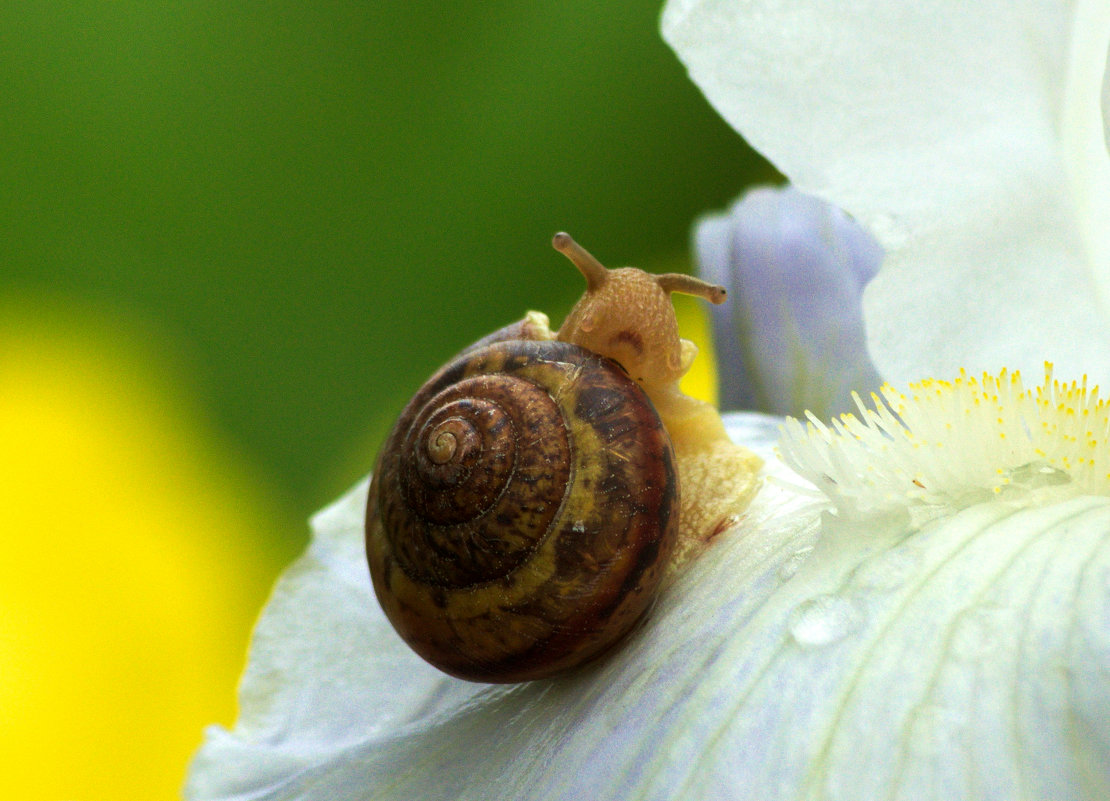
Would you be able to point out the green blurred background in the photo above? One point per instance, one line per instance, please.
(234, 237)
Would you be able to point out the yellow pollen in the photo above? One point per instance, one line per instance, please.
(984, 432)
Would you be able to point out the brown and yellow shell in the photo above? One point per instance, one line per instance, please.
(523, 511)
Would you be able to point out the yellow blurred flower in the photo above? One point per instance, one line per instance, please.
(127, 583)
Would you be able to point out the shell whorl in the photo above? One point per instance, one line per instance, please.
(472, 503)
(522, 511)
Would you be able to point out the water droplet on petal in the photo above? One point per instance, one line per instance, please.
(824, 620)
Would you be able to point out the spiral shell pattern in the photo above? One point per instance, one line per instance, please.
(522, 511)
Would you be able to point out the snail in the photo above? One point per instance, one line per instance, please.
(539, 490)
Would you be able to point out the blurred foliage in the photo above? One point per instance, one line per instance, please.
(322, 201)
(234, 237)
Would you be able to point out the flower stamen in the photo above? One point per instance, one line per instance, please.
(954, 443)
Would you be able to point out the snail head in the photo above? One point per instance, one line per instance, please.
(627, 315)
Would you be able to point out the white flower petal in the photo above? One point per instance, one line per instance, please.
(801, 658)
(321, 656)
(969, 138)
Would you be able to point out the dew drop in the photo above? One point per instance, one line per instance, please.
(824, 620)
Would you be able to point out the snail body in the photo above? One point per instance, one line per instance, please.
(526, 505)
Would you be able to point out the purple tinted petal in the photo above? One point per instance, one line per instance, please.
(791, 336)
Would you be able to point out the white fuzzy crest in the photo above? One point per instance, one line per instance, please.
(954, 443)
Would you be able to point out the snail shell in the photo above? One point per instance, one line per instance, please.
(525, 507)
(522, 512)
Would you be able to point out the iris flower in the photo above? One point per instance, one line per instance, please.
(917, 603)
(791, 335)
